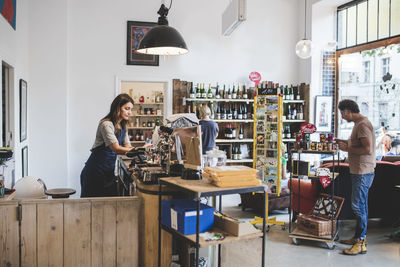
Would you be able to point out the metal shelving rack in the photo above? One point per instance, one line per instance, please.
(297, 234)
(198, 189)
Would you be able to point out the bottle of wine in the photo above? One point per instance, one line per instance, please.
(198, 91)
(203, 91)
(244, 95)
(288, 133)
(192, 93)
(218, 113)
(291, 93)
(301, 116)
(234, 155)
(233, 132)
(298, 93)
(241, 132)
(217, 96)
(223, 114)
(235, 112)
(233, 92)
(244, 112)
(209, 93)
(240, 113)
(212, 109)
(251, 112)
(223, 93)
(294, 112)
(229, 112)
(239, 153)
(289, 113)
(284, 132)
(194, 108)
(229, 92)
(285, 91)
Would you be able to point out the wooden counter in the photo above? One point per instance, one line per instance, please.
(70, 232)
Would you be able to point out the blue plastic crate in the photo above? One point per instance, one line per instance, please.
(183, 215)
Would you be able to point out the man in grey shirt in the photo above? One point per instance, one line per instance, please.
(361, 151)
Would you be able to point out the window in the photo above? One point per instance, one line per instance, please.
(367, 71)
(363, 21)
(385, 66)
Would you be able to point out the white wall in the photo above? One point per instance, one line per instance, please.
(14, 52)
(77, 50)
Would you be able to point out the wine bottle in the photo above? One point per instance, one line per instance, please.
(194, 108)
(223, 93)
(289, 113)
(244, 95)
(233, 92)
(301, 112)
(233, 156)
(203, 91)
(229, 112)
(223, 114)
(212, 115)
(218, 113)
(288, 133)
(235, 112)
(233, 132)
(285, 91)
(192, 93)
(244, 112)
(198, 91)
(217, 96)
(229, 92)
(294, 112)
(239, 153)
(209, 93)
(284, 133)
(291, 93)
(241, 132)
(298, 93)
(240, 112)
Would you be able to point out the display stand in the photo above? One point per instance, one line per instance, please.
(198, 189)
(297, 234)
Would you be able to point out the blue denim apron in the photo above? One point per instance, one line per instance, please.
(97, 177)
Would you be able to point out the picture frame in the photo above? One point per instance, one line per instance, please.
(23, 110)
(323, 113)
(24, 156)
(135, 33)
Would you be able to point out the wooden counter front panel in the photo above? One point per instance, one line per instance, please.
(9, 235)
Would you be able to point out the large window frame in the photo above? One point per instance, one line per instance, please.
(343, 14)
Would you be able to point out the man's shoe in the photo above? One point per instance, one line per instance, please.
(357, 248)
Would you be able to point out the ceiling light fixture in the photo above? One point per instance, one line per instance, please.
(162, 39)
(304, 46)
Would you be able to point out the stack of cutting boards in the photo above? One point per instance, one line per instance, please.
(231, 176)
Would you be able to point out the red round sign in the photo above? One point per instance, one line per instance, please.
(308, 128)
(255, 77)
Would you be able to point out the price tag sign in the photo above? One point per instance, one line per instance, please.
(255, 77)
(308, 128)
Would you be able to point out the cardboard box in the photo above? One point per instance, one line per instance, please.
(181, 215)
(234, 227)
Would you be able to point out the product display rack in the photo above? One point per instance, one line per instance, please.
(267, 150)
(198, 189)
(297, 234)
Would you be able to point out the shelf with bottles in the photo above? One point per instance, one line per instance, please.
(235, 93)
(288, 121)
(149, 103)
(293, 101)
(219, 100)
(234, 141)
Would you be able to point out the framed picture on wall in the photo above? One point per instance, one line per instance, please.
(23, 112)
(24, 161)
(136, 32)
(323, 113)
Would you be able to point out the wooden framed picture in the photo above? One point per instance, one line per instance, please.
(136, 32)
(23, 110)
(323, 113)
(24, 161)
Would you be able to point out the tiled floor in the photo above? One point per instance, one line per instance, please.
(280, 251)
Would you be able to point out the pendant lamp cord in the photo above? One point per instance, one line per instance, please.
(305, 18)
(170, 4)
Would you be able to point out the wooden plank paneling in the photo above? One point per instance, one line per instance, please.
(127, 233)
(50, 234)
(104, 238)
(77, 234)
(9, 236)
(28, 236)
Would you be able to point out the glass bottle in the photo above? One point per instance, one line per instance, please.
(209, 93)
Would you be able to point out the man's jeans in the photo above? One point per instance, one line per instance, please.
(359, 201)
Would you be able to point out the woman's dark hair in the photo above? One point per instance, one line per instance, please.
(350, 105)
(115, 110)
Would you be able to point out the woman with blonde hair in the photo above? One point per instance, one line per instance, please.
(209, 129)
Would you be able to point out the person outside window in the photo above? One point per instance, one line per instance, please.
(361, 154)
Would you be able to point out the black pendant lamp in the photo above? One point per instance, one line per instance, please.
(162, 39)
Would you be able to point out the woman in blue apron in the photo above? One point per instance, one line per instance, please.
(97, 177)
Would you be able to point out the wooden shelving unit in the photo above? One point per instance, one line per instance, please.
(219, 100)
(234, 141)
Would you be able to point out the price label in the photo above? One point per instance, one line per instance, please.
(255, 77)
(308, 128)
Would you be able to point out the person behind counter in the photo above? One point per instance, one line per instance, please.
(97, 177)
(209, 129)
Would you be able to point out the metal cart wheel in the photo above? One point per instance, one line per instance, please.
(330, 245)
(296, 241)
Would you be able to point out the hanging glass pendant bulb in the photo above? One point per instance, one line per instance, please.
(304, 48)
